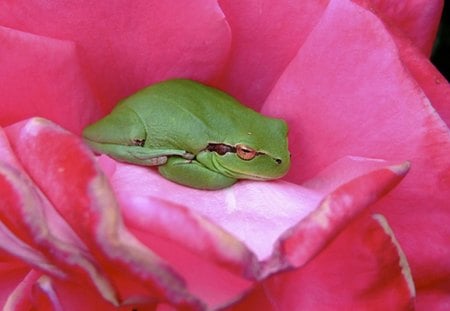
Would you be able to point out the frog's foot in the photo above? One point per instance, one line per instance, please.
(138, 154)
(193, 174)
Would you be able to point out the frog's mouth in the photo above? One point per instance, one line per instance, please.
(245, 175)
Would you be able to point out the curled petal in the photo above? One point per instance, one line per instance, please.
(245, 210)
(372, 107)
(57, 250)
(16, 238)
(21, 298)
(66, 173)
(301, 243)
(12, 272)
(252, 212)
(371, 274)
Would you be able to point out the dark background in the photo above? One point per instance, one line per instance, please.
(441, 51)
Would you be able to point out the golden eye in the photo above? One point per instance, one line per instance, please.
(245, 153)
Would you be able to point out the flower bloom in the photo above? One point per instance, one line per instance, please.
(360, 222)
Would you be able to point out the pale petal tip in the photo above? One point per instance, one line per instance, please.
(400, 169)
(38, 121)
(35, 124)
(403, 262)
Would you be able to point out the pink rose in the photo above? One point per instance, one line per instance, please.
(363, 103)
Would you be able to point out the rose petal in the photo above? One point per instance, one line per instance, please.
(21, 298)
(71, 296)
(28, 214)
(55, 246)
(31, 65)
(421, 20)
(65, 171)
(432, 82)
(371, 274)
(302, 242)
(348, 168)
(123, 46)
(245, 210)
(12, 244)
(418, 19)
(198, 249)
(12, 272)
(367, 104)
(266, 35)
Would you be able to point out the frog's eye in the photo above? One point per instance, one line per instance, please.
(245, 153)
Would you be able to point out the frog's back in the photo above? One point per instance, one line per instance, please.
(187, 115)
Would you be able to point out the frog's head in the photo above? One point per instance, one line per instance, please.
(259, 153)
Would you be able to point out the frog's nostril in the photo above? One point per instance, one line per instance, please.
(278, 161)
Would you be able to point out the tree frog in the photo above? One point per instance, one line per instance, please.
(197, 135)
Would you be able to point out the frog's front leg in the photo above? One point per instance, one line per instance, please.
(137, 154)
(193, 174)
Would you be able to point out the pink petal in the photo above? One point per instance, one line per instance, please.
(432, 299)
(298, 246)
(28, 215)
(12, 272)
(196, 248)
(266, 35)
(256, 213)
(16, 237)
(360, 100)
(245, 210)
(417, 19)
(21, 298)
(42, 76)
(70, 296)
(349, 168)
(63, 168)
(432, 82)
(124, 46)
(371, 274)
(50, 245)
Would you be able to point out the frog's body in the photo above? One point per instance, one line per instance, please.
(199, 136)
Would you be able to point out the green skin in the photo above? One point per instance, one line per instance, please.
(190, 131)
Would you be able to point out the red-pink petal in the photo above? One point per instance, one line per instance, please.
(349, 168)
(302, 242)
(42, 77)
(12, 272)
(70, 296)
(417, 19)
(430, 80)
(40, 237)
(363, 269)
(360, 100)
(21, 297)
(124, 46)
(66, 173)
(266, 35)
(251, 211)
(246, 210)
